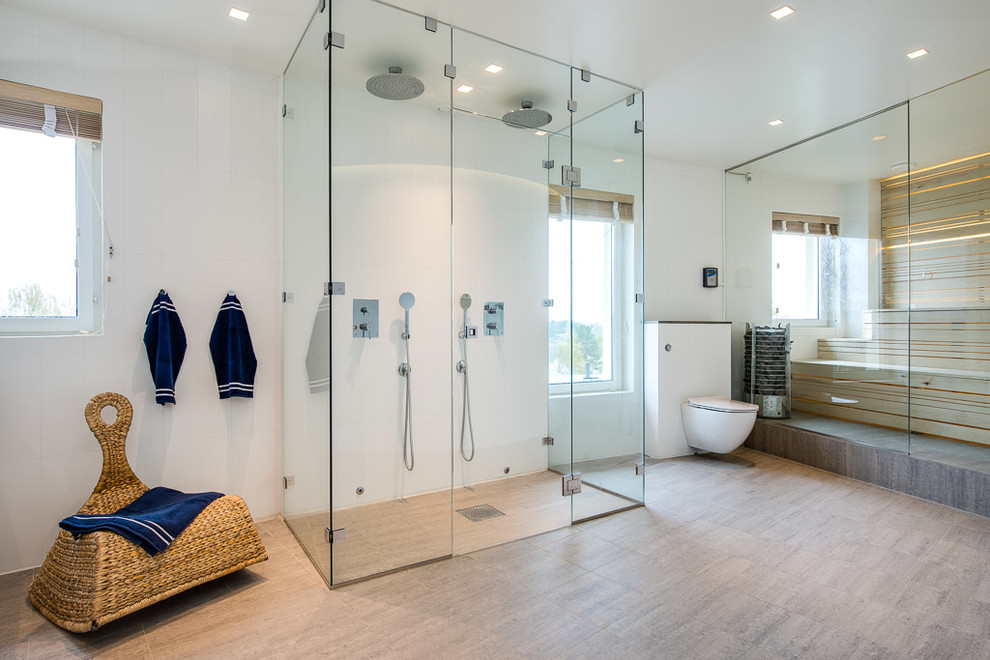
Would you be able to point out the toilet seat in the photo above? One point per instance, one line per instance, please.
(721, 404)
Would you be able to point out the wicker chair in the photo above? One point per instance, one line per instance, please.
(101, 576)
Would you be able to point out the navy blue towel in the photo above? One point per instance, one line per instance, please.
(166, 343)
(233, 354)
(152, 521)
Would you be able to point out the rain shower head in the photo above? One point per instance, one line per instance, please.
(527, 117)
(465, 302)
(395, 85)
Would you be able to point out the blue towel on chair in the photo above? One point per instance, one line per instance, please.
(152, 521)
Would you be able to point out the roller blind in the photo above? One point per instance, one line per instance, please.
(801, 223)
(23, 107)
(590, 204)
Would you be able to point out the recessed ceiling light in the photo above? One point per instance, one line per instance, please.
(465, 89)
(239, 14)
(877, 138)
(618, 160)
(493, 68)
(783, 12)
(776, 122)
(540, 133)
(914, 54)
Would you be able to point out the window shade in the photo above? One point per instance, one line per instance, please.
(23, 107)
(592, 204)
(799, 223)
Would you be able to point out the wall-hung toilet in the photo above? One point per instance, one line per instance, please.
(716, 423)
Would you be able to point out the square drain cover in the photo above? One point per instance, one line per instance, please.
(480, 512)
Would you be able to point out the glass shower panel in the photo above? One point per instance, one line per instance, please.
(816, 239)
(390, 247)
(305, 319)
(503, 489)
(606, 332)
(948, 267)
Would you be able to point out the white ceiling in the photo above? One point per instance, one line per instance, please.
(714, 71)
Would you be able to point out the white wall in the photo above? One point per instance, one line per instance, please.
(190, 196)
(683, 235)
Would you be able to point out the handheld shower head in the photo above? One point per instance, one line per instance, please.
(407, 300)
(465, 302)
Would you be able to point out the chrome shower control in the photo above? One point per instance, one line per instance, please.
(405, 369)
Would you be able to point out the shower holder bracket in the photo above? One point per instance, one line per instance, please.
(494, 319)
(365, 318)
(470, 332)
(570, 484)
(338, 535)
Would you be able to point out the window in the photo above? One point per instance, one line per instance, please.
(51, 230)
(803, 254)
(586, 247)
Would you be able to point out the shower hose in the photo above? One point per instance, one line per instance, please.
(466, 410)
(408, 458)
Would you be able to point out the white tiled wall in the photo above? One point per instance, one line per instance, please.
(683, 235)
(190, 196)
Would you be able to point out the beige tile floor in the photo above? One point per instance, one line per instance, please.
(774, 560)
(395, 533)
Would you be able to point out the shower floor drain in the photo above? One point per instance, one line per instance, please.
(480, 512)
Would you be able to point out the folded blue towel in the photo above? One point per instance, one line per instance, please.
(152, 521)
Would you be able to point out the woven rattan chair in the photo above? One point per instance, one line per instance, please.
(88, 581)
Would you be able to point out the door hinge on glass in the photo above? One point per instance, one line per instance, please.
(640, 469)
(288, 296)
(548, 440)
(338, 535)
(570, 484)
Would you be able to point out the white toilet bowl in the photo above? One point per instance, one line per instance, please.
(715, 423)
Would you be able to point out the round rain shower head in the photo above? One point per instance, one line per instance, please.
(527, 117)
(465, 302)
(395, 85)
(407, 300)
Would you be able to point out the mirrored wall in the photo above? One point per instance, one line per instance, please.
(463, 342)
(871, 242)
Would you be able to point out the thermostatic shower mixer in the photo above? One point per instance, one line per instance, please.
(494, 319)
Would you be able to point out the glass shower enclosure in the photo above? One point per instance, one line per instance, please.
(463, 273)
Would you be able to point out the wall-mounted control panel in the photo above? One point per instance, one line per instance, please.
(494, 319)
(709, 277)
(365, 318)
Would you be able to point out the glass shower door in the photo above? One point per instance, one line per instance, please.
(390, 249)
(306, 311)
(605, 199)
(503, 489)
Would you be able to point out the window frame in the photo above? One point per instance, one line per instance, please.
(77, 118)
(819, 228)
(618, 311)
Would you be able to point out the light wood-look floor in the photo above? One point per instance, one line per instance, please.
(776, 560)
(396, 533)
